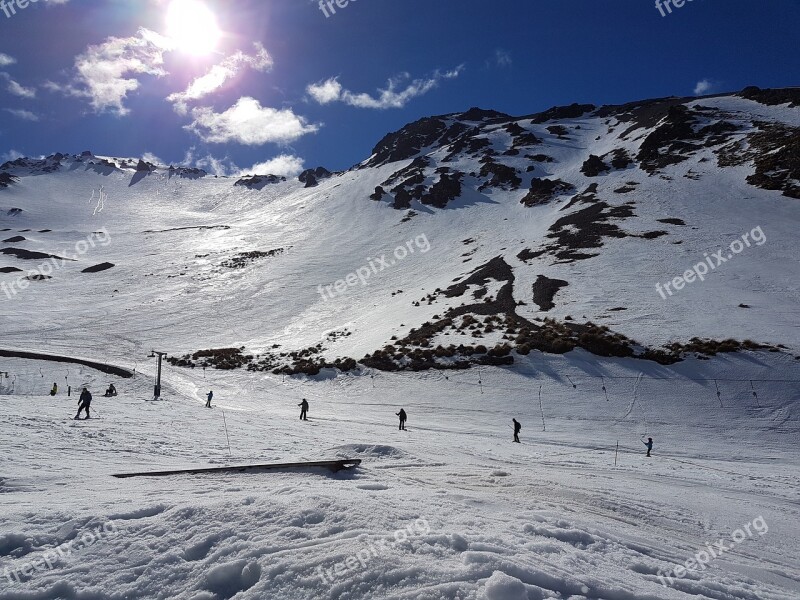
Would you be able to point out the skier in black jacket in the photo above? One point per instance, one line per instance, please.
(403, 418)
(649, 444)
(517, 428)
(84, 402)
(303, 409)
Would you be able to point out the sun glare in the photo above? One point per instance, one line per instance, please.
(192, 26)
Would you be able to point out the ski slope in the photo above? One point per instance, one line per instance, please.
(478, 516)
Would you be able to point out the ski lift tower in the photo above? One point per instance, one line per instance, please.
(157, 388)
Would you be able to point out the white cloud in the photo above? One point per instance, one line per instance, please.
(392, 96)
(219, 74)
(25, 115)
(325, 92)
(249, 123)
(703, 87)
(285, 165)
(6, 60)
(108, 72)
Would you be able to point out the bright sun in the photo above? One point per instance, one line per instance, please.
(192, 26)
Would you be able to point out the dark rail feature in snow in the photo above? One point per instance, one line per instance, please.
(333, 465)
(108, 369)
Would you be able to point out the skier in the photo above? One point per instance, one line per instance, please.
(649, 444)
(303, 409)
(517, 427)
(54, 390)
(403, 419)
(111, 391)
(84, 402)
(209, 396)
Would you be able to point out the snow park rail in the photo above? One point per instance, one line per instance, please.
(104, 368)
(333, 465)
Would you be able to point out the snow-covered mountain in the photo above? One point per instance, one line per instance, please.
(529, 247)
(471, 237)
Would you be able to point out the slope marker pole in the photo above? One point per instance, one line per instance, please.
(541, 408)
(225, 423)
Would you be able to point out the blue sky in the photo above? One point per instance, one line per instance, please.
(287, 86)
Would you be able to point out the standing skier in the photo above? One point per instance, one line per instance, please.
(54, 389)
(517, 428)
(209, 396)
(403, 419)
(303, 409)
(649, 444)
(84, 402)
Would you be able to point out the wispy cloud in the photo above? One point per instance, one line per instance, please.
(502, 58)
(10, 155)
(249, 123)
(394, 95)
(17, 89)
(108, 72)
(25, 115)
(6, 60)
(219, 74)
(704, 86)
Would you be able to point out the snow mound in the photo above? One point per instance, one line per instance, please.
(373, 451)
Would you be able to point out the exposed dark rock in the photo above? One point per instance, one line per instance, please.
(573, 111)
(378, 194)
(558, 130)
(502, 176)
(14, 240)
(544, 190)
(6, 180)
(672, 221)
(10, 270)
(772, 97)
(258, 182)
(443, 191)
(311, 177)
(545, 289)
(776, 150)
(594, 166)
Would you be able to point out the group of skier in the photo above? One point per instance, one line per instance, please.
(85, 401)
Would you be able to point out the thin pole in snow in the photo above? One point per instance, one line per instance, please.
(605, 391)
(616, 452)
(480, 379)
(541, 408)
(719, 394)
(574, 387)
(225, 423)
